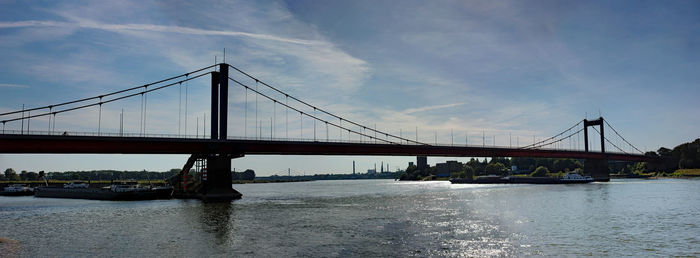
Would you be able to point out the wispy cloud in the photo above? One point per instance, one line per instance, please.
(88, 24)
(12, 85)
(427, 108)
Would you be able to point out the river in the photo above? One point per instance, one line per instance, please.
(369, 218)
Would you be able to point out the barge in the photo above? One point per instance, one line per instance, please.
(569, 178)
(116, 192)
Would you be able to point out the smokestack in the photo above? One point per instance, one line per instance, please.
(353, 167)
(382, 167)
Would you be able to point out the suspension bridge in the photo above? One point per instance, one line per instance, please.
(292, 127)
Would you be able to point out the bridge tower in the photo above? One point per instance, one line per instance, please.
(217, 185)
(597, 168)
(214, 183)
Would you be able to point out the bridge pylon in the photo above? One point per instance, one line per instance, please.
(596, 168)
(213, 182)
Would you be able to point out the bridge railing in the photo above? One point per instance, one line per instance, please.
(254, 138)
(517, 147)
(185, 136)
(102, 134)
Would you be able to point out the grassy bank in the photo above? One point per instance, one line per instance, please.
(687, 172)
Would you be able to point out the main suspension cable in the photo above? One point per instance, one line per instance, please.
(559, 140)
(108, 94)
(319, 109)
(303, 113)
(611, 143)
(534, 145)
(107, 101)
(623, 138)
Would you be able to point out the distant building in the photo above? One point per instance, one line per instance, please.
(372, 171)
(422, 162)
(410, 163)
(445, 169)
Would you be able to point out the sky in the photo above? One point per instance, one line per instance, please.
(459, 71)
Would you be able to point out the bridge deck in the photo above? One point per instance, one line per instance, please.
(150, 145)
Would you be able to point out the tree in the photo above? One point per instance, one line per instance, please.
(640, 168)
(524, 163)
(540, 172)
(496, 169)
(11, 175)
(478, 167)
(468, 172)
(248, 174)
(566, 165)
(505, 161)
(31, 176)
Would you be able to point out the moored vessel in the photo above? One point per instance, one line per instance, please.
(116, 192)
(569, 178)
(17, 190)
(575, 178)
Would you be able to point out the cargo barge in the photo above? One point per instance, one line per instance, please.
(569, 178)
(122, 192)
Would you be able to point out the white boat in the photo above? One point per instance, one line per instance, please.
(17, 190)
(123, 188)
(572, 177)
(75, 184)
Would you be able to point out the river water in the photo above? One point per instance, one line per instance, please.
(369, 218)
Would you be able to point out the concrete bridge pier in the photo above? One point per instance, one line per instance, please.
(216, 183)
(598, 169)
(211, 181)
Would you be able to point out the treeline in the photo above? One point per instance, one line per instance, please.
(248, 174)
(668, 161)
(383, 175)
(11, 175)
(682, 157)
(499, 166)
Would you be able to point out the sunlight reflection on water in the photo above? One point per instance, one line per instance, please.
(372, 218)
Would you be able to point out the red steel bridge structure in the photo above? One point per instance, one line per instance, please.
(215, 150)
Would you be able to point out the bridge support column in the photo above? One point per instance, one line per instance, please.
(213, 182)
(597, 168)
(216, 185)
